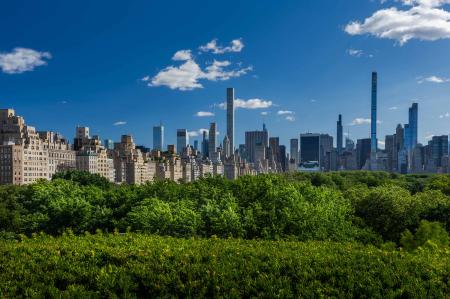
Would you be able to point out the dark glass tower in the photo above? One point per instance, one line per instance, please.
(230, 117)
(339, 137)
(413, 125)
(373, 129)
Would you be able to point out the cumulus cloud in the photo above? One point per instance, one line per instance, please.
(189, 74)
(119, 123)
(446, 115)
(182, 55)
(264, 113)
(362, 121)
(249, 104)
(204, 114)
(422, 20)
(393, 108)
(285, 112)
(21, 60)
(236, 45)
(432, 79)
(290, 118)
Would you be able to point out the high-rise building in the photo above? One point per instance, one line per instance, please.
(439, 148)
(109, 144)
(205, 144)
(339, 135)
(413, 124)
(254, 139)
(230, 117)
(310, 148)
(226, 146)
(349, 144)
(158, 137)
(182, 140)
(212, 142)
(294, 150)
(196, 145)
(363, 150)
(373, 132)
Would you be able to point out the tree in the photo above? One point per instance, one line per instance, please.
(428, 233)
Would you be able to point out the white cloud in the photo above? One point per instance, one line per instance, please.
(249, 104)
(362, 121)
(290, 118)
(119, 123)
(285, 112)
(446, 115)
(355, 52)
(264, 113)
(428, 137)
(188, 75)
(393, 108)
(183, 77)
(204, 114)
(236, 45)
(422, 20)
(182, 55)
(216, 71)
(432, 79)
(22, 60)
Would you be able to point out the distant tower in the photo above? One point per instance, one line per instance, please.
(230, 117)
(212, 143)
(226, 147)
(158, 137)
(413, 125)
(182, 140)
(373, 134)
(339, 135)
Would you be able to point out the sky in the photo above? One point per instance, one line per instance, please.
(121, 67)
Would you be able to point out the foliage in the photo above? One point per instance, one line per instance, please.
(339, 206)
(428, 233)
(133, 265)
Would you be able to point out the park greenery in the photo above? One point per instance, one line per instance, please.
(343, 234)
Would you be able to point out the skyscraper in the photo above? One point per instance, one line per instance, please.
(413, 126)
(212, 144)
(182, 140)
(310, 148)
(363, 151)
(294, 150)
(253, 140)
(205, 145)
(373, 133)
(230, 117)
(339, 134)
(158, 137)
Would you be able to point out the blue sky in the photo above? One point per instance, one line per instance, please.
(120, 67)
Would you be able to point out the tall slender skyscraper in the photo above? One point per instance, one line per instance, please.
(230, 117)
(158, 137)
(413, 125)
(373, 133)
(339, 137)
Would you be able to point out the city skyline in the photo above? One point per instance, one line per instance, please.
(98, 75)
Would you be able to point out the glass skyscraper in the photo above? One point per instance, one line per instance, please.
(413, 125)
(182, 140)
(158, 137)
